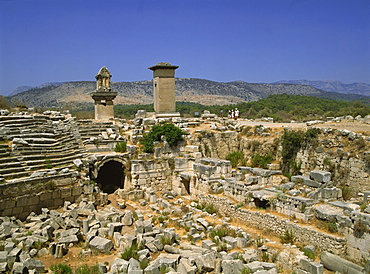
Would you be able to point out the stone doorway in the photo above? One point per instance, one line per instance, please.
(261, 203)
(186, 185)
(111, 176)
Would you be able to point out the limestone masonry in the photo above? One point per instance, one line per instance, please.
(62, 186)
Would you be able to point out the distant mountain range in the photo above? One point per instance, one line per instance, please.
(334, 86)
(187, 89)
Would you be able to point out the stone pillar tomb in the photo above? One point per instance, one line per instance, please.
(103, 95)
(164, 90)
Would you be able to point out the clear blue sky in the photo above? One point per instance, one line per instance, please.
(221, 40)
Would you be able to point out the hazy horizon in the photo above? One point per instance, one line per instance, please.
(253, 41)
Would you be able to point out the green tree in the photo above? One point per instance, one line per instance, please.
(172, 133)
(4, 104)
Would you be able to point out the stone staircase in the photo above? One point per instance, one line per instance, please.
(32, 143)
(98, 136)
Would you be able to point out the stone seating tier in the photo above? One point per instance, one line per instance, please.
(11, 170)
(8, 160)
(11, 176)
(54, 161)
(10, 164)
(51, 155)
(36, 151)
(60, 164)
(4, 154)
(27, 179)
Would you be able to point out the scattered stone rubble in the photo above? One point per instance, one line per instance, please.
(53, 232)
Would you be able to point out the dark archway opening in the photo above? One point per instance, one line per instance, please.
(186, 184)
(111, 177)
(261, 203)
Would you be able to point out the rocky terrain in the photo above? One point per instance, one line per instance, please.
(185, 209)
(187, 89)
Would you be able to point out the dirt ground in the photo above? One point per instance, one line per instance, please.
(75, 259)
(349, 125)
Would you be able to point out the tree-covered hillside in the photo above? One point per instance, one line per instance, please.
(281, 107)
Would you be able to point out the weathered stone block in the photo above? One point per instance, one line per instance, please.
(321, 176)
(232, 266)
(119, 266)
(3, 256)
(311, 267)
(336, 263)
(101, 244)
(311, 183)
(206, 262)
(65, 193)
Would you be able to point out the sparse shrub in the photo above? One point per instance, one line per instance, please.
(363, 207)
(360, 143)
(221, 232)
(121, 147)
(172, 133)
(222, 247)
(50, 185)
(184, 209)
(48, 163)
(164, 269)
(311, 133)
(209, 208)
(134, 215)
(235, 157)
(38, 245)
(130, 252)
(60, 269)
(260, 241)
(288, 237)
(332, 227)
(246, 270)
(265, 257)
(253, 145)
(360, 228)
(144, 263)
(166, 240)
(261, 161)
(85, 269)
(311, 255)
(246, 131)
(346, 192)
(239, 205)
(291, 142)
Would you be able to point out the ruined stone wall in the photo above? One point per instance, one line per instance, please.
(347, 159)
(350, 170)
(20, 199)
(304, 235)
(156, 174)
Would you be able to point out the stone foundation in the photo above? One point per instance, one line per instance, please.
(304, 235)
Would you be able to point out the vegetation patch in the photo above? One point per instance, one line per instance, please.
(209, 208)
(261, 161)
(172, 134)
(60, 269)
(235, 158)
(288, 237)
(121, 147)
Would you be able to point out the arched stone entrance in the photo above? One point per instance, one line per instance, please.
(111, 176)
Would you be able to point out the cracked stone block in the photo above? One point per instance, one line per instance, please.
(231, 266)
(101, 244)
(320, 176)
